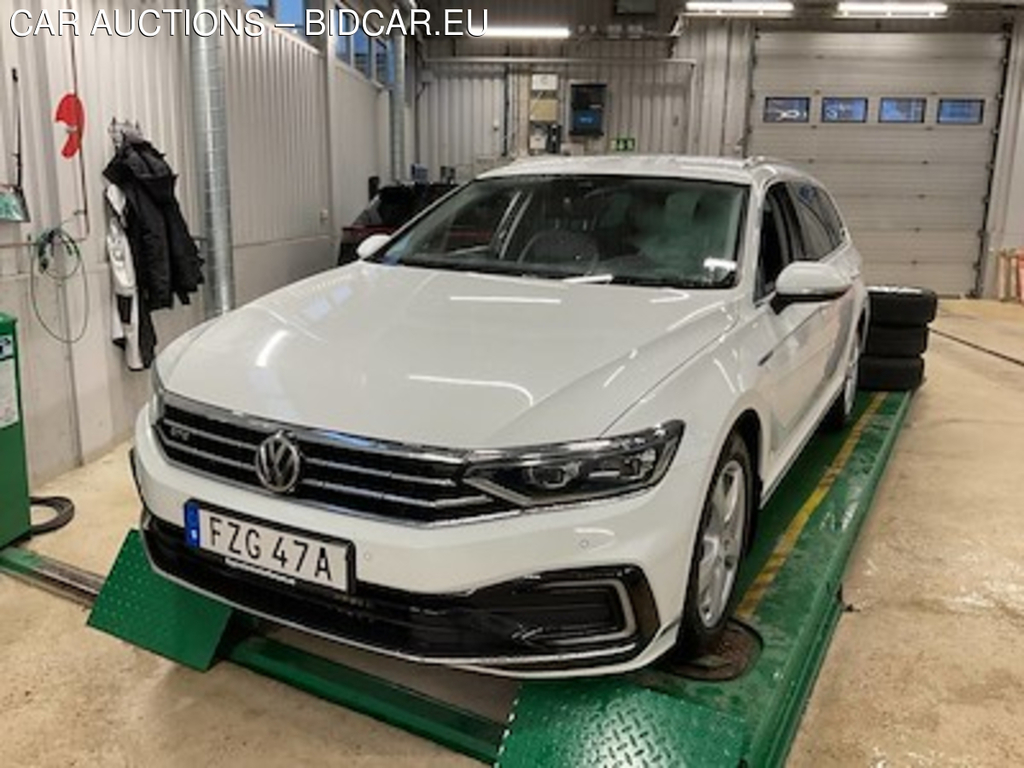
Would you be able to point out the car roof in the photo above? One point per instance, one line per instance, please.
(758, 170)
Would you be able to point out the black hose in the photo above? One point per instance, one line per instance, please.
(64, 513)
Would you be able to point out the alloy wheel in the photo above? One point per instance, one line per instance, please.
(722, 543)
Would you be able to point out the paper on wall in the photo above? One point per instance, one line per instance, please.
(9, 414)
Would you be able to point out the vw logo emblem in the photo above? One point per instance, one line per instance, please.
(278, 463)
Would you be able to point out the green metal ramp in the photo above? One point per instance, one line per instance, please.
(790, 584)
(147, 610)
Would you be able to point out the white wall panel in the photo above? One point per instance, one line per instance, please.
(281, 185)
(277, 121)
(359, 138)
(277, 137)
(133, 78)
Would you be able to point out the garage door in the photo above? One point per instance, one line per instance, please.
(900, 127)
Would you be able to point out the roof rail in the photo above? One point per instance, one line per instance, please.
(751, 162)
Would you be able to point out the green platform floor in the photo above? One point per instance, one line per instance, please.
(791, 588)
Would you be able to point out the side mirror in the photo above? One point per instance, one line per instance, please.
(371, 245)
(807, 282)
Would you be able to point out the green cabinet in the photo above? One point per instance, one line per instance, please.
(14, 502)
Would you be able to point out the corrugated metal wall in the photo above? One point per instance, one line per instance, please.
(277, 119)
(669, 108)
(464, 121)
(131, 78)
(281, 195)
(722, 50)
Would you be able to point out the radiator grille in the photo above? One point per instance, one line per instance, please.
(340, 471)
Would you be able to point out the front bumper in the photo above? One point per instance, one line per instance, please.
(590, 589)
(556, 620)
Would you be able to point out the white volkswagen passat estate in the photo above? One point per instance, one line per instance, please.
(528, 433)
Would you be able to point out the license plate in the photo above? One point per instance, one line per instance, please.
(280, 555)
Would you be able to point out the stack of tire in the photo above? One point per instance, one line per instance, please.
(897, 337)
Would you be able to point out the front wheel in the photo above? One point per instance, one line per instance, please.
(720, 544)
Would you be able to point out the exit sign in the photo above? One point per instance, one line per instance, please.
(624, 144)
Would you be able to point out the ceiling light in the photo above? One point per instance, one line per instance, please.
(891, 10)
(738, 8)
(534, 33)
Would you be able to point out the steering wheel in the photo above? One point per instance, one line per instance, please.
(561, 247)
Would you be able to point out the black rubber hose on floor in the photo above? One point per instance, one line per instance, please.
(64, 513)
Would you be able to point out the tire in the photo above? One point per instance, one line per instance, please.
(902, 307)
(891, 374)
(708, 605)
(839, 414)
(887, 341)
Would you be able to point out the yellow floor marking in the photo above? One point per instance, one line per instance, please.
(764, 579)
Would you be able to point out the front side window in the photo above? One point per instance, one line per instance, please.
(818, 221)
(778, 247)
(600, 229)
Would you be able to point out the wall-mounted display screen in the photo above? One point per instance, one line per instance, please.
(586, 102)
(961, 111)
(901, 110)
(844, 110)
(787, 109)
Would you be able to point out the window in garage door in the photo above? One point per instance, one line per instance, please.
(901, 110)
(912, 190)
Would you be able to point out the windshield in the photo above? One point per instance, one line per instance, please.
(601, 229)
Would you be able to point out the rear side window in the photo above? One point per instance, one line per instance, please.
(819, 223)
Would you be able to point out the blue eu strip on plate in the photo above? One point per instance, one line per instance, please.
(192, 524)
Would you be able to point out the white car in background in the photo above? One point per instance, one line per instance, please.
(528, 433)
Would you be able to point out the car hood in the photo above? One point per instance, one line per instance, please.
(445, 358)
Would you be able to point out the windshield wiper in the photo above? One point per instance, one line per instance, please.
(665, 282)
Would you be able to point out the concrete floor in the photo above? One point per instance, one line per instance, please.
(928, 669)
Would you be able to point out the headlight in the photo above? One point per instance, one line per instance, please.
(156, 402)
(573, 472)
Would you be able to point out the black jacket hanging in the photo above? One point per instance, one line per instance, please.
(167, 262)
